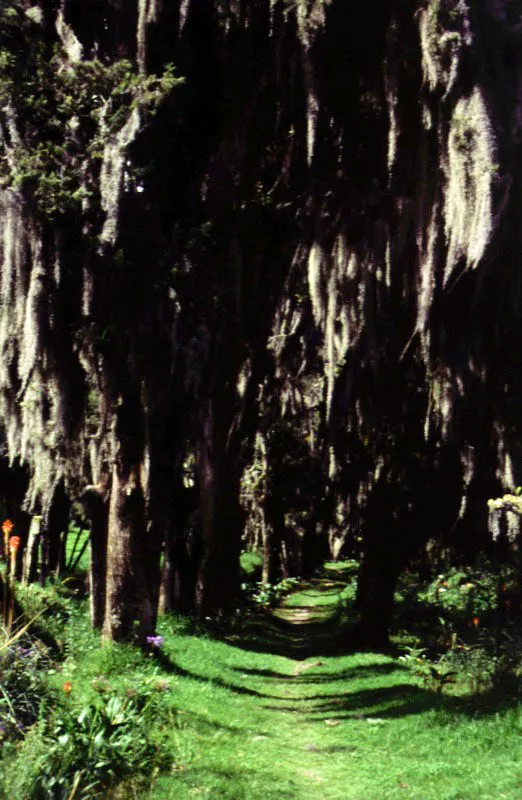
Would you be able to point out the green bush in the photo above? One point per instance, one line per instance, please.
(85, 751)
(22, 687)
(465, 594)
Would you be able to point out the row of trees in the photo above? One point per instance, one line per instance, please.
(272, 289)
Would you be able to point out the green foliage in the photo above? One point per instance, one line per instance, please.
(266, 595)
(435, 674)
(22, 668)
(107, 740)
(467, 593)
(473, 665)
(251, 564)
(64, 114)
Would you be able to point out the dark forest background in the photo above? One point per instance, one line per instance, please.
(260, 287)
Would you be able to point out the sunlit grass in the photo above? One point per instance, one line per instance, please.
(260, 710)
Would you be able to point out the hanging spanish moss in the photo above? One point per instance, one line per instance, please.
(313, 237)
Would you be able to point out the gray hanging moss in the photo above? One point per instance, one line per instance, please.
(328, 206)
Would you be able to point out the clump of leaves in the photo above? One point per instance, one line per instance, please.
(58, 116)
(435, 674)
(466, 594)
(265, 594)
(82, 752)
(22, 667)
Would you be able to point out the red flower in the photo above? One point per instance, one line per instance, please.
(14, 543)
(67, 687)
(7, 526)
(476, 621)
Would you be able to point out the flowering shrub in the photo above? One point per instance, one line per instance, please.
(155, 642)
(469, 594)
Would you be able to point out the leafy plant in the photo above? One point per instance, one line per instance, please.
(61, 116)
(22, 686)
(466, 593)
(108, 739)
(268, 594)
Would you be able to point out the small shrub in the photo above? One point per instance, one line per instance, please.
(466, 594)
(22, 687)
(269, 594)
(84, 752)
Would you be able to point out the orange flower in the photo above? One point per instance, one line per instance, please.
(476, 621)
(7, 526)
(14, 543)
(67, 687)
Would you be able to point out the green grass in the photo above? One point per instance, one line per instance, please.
(272, 708)
(77, 549)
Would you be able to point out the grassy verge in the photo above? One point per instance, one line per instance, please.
(270, 708)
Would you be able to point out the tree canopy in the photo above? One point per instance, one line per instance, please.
(259, 271)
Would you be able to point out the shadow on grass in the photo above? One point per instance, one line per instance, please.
(381, 703)
(391, 702)
(290, 637)
(314, 677)
(172, 668)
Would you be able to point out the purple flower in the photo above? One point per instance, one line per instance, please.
(155, 641)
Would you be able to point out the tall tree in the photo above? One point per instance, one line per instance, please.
(346, 182)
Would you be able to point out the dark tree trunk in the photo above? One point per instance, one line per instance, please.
(182, 554)
(56, 529)
(133, 548)
(315, 549)
(275, 564)
(378, 577)
(96, 506)
(219, 575)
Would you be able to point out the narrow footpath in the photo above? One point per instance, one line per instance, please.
(281, 713)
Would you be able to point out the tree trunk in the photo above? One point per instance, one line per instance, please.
(133, 547)
(56, 529)
(128, 609)
(96, 506)
(274, 563)
(182, 555)
(219, 574)
(30, 559)
(378, 577)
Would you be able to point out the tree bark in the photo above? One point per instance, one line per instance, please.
(182, 554)
(30, 559)
(378, 577)
(219, 574)
(56, 529)
(274, 563)
(133, 541)
(96, 505)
